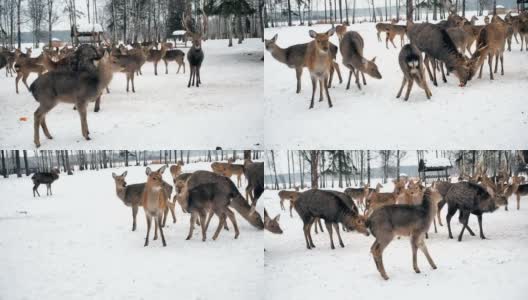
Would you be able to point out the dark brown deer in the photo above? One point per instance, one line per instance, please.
(195, 57)
(154, 56)
(411, 64)
(177, 56)
(46, 178)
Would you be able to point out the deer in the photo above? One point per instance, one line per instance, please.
(376, 199)
(490, 43)
(351, 47)
(177, 56)
(393, 31)
(522, 190)
(46, 178)
(340, 31)
(403, 220)
(411, 64)
(289, 195)
(358, 194)
(25, 65)
(294, 57)
(131, 196)
(130, 64)
(154, 203)
(175, 170)
(9, 61)
(383, 27)
(229, 169)
(73, 86)
(195, 57)
(254, 173)
(319, 61)
(154, 56)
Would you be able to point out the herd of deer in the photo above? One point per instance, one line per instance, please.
(201, 194)
(408, 210)
(444, 43)
(79, 76)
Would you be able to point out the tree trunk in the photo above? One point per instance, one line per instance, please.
(368, 167)
(26, 162)
(289, 175)
(398, 165)
(17, 161)
(314, 159)
(274, 170)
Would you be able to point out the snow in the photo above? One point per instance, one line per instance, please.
(471, 269)
(221, 112)
(484, 114)
(179, 32)
(88, 27)
(77, 244)
(437, 162)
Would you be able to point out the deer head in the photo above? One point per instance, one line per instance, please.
(322, 42)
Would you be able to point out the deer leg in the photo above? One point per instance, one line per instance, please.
(191, 227)
(329, 229)
(166, 66)
(314, 87)
(35, 189)
(24, 80)
(325, 83)
(19, 75)
(132, 80)
(37, 116)
(464, 219)
(158, 219)
(414, 246)
(409, 87)
(282, 204)
(231, 217)
(211, 213)
(401, 88)
(450, 212)
(107, 90)
(149, 223)
(518, 201)
(156, 228)
(128, 80)
(97, 106)
(171, 207)
(377, 252)
(81, 108)
(336, 227)
(421, 245)
(392, 41)
(338, 71)
(165, 213)
(379, 37)
(220, 225)
(198, 80)
(306, 229)
(356, 76)
(363, 76)
(203, 216)
(134, 214)
(298, 75)
(387, 40)
(349, 77)
(310, 233)
(490, 62)
(179, 66)
(291, 208)
(496, 63)
(45, 127)
(156, 68)
(461, 220)
(321, 90)
(190, 76)
(444, 79)
(479, 218)
(331, 74)
(433, 65)
(502, 63)
(426, 62)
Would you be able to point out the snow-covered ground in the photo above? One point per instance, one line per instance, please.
(77, 244)
(484, 114)
(472, 269)
(162, 107)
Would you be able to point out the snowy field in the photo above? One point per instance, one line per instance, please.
(162, 106)
(77, 244)
(484, 114)
(472, 269)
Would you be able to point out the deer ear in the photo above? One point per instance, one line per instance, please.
(162, 169)
(277, 218)
(331, 31)
(274, 39)
(312, 33)
(124, 173)
(114, 175)
(374, 59)
(148, 171)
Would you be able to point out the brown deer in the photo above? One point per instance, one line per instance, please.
(229, 169)
(272, 225)
(351, 48)
(177, 56)
(25, 65)
(408, 220)
(294, 57)
(358, 194)
(376, 199)
(131, 195)
(195, 57)
(77, 87)
(130, 64)
(289, 195)
(175, 171)
(340, 31)
(490, 43)
(392, 32)
(154, 56)
(319, 62)
(411, 64)
(154, 203)
(383, 27)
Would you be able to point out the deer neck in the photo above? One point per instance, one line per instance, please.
(279, 54)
